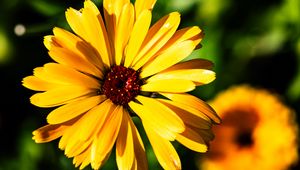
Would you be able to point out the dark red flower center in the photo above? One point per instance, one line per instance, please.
(121, 85)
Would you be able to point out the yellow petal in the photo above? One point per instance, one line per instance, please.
(169, 85)
(195, 103)
(48, 133)
(199, 76)
(124, 146)
(123, 31)
(112, 10)
(86, 162)
(69, 126)
(189, 118)
(73, 109)
(192, 140)
(77, 147)
(41, 74)
(60, 73)
(79, 159)
(134, 148)
(73, 43)
(163, 149)
(34, 83)
(106, 137)
(96, 31)
(72, 141)
(71, 59)
(140, 161)
(157, 126)
(138, 34)
(141, 5)
(192, 64)
(49, 42)
(74, 144)
(59, 96)
(163, 120)
(84, 159)
(130, 151)
(95, 119)
(169, 57)
(190, 33)
(69, 137)
(156, 38)
(74, 19)
(114, 7)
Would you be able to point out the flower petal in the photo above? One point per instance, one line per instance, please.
(71, 59)
(130, 145)
(65, 75)
(169, 85)
(123, 31)
(141, 5)
(73, 109)
(83, 133)
(195, 103)
(69, 137)
(163, 120)
(95, 119)
(34, 83)
(49, 42)
(80, 159)
(192, 140)
(74, 19)
(54, 97)
(156, 38)
(73, 43)
(106, 137)
(189, 118)
(112, 11)
(124, 146)
(169, 57)
(95, 28)
(48, 133)
(77, 147)
(191, 64)
(190, 33)
(140, 161)
(198, 76)
(163, 149)
(157, 126)
(138, 34)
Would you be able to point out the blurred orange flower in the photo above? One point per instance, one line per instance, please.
(258, 132)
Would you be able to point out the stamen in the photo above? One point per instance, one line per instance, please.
(121, 85)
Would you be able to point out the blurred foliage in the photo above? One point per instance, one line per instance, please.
(251, 41)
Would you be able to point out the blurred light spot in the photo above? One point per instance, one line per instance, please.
(210, 11)
(4, 47)
(20, 29)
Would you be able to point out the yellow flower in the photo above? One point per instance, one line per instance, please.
(111, 70)
(257, 132)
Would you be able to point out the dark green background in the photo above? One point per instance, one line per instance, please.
(251, 42)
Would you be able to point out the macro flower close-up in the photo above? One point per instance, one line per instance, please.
(115, 65)
(258, 132)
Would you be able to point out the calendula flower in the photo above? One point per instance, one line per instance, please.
(258, 132)
(112, 69)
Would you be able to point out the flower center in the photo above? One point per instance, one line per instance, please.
(244, 122)
(121, 85)
(236, 131)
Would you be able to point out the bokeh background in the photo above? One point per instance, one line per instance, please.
(251, 42)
